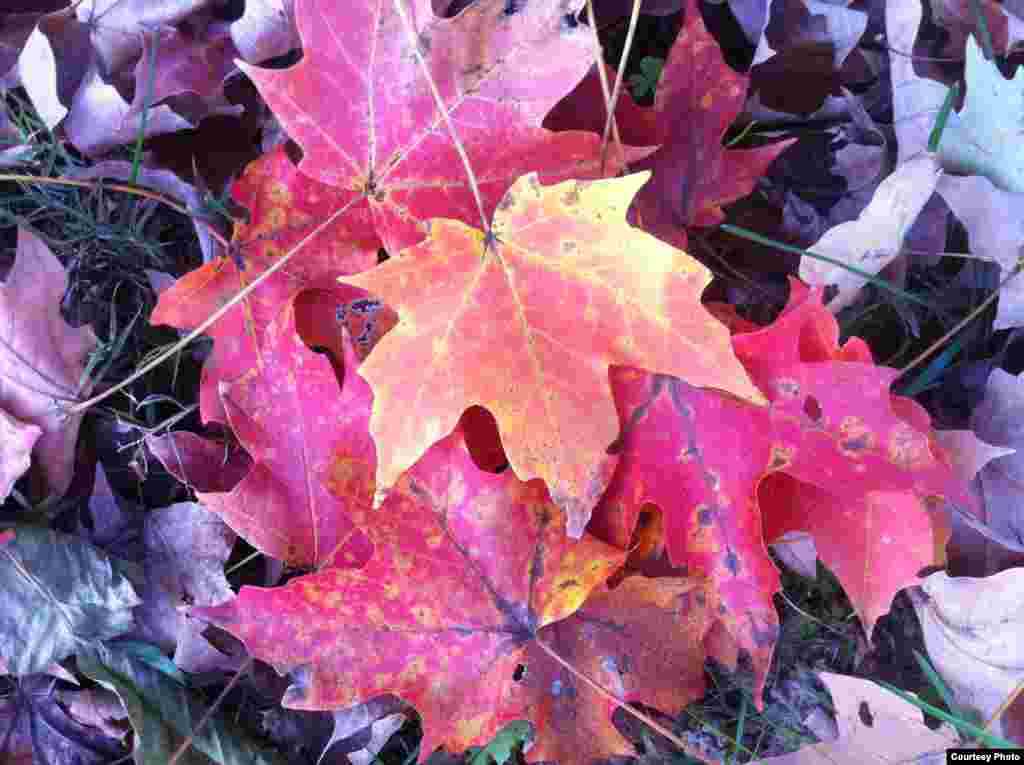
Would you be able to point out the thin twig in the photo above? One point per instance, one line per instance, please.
(619, 76)
(473, 185)
(210, 320)
(602, 77)
(210, 712)
(606, 694)
(806, 615)
(136, 190)
(1007, 702)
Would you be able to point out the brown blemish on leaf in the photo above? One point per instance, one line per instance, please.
(908, 449)
(781, 457)
(855, 438)
(787, 387)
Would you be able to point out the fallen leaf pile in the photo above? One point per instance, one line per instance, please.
(451, 448)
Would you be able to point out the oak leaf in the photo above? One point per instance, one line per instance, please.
(43, 359)
(971, 628)
(471, 650)
(363, 112)
(874, 724)
(16, 441)
(525, 321)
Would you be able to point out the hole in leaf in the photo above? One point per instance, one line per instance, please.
(482, 440)
(864, 712)
(812, 408)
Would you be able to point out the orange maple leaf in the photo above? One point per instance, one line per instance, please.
(526, 321)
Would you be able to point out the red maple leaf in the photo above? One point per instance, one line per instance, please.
(472, 590)
(698, 97)
(363, 112)
(700, 456)
(284, 207)
(313, 457)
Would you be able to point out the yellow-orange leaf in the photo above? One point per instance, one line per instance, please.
(526, 321)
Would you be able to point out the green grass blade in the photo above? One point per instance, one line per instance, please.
(935, 137)
(989, 739)
(984, 34)
(141, 137)
(937, 682)
(753, 236)
(935, 368)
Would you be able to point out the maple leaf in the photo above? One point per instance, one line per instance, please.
(471, 650)
(835, 422)
(359, 105)
(525, 321)
(285, 205)
(312, 452)
(700, 455)
(875, 544)
(698, 97)
(43, 359)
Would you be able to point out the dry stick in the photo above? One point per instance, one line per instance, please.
(209, 712)
(966, 320)
(630, 32)
(1006, 704)
(210, 320)
(602, 77)
(603, 692)
(414, 44)
(136, 190)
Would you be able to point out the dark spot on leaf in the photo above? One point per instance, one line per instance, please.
(831, 290)
(512, 7)
(569, 21)
(705, 515)
(568, 583)
(732, 562)
(812, 408)
(722, 610)
(382, 255)
(858, 444)
(864, 712)
(519, 674)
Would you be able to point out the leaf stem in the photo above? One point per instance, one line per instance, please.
(613, 99)
(414, 44)
(753, 236)
(210, 712)
(692, 751)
